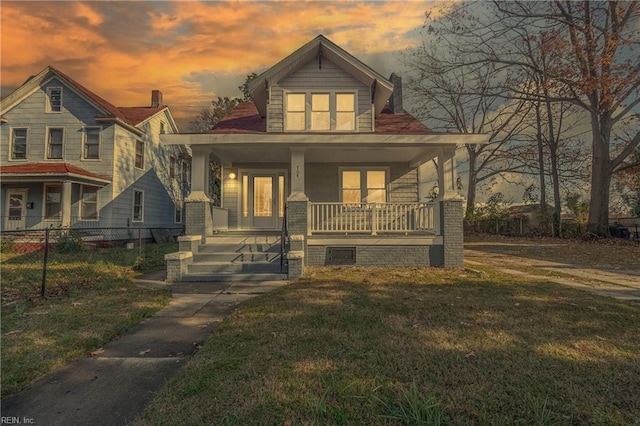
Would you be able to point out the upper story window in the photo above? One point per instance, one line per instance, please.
(19, 143)
(92, 143)
(162, 131)
(185, 171)
(319, 112)
(296, 111)
(139, 154)
(54, 99)
(55, 143)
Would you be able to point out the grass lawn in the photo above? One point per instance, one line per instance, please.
(413, 346)
(90, 299)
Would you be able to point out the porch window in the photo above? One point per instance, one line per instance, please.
(19, 144)
(55, 143)
(89, 203)
(281, 196)
(138, 206)
(245, 196)
(364, 186)
(54, 99)
(139, 162)
(52, 201)
(92, 142)
(296, 111)
(320, 112)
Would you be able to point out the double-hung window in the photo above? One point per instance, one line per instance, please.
(364, 185)
(89, 203)
(52, 201)
(19, 143)
(172, 167)
(138, 206)
(92, 143)
(54, 99)
(139, 154)
(55, 143)
(320, 112)
(296, 111)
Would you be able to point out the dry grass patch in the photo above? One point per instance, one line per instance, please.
(412, 346)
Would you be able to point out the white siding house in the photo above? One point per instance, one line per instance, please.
(70, 158)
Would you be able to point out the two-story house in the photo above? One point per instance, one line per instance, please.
(326, 148)
(71, 159)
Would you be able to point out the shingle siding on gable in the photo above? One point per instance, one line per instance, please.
(310, 77)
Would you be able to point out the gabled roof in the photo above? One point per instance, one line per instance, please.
(329, 50)
(50, 169)
(244, 118)
(137, 115)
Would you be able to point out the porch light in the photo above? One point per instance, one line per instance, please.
(232, 175)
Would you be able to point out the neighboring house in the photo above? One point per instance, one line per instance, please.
(326, 147)
(70, 158)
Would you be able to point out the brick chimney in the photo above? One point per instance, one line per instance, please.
(395, 102)
(156, 99)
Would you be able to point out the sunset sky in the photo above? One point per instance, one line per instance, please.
(191, 51)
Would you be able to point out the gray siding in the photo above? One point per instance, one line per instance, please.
(327, 78)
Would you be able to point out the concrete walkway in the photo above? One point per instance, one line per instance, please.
(621, 285)
(115, 385)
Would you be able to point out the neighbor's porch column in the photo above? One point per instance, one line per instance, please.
(65, 214)
(297, 215)
(450, 209)
(198, 217)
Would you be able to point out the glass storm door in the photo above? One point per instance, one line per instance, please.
(16, 209)
(263, 206)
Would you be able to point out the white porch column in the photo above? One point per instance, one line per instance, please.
(65, 215)
(297, 175)
(199, 175)
(447, 174)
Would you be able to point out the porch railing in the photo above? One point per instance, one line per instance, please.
(371, 218)
(19, 223)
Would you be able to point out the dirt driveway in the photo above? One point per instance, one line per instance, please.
(610, 268)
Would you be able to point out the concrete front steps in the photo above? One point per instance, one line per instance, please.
(237, 257)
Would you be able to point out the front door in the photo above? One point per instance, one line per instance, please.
(264, 193)
(16, 214)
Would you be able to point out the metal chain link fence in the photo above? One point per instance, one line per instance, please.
(52, 262)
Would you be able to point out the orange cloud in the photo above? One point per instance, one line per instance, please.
(123, 50)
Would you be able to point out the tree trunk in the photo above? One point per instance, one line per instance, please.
(541, 174)
(472, 184)
(598, 222)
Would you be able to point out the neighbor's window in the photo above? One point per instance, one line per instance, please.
(185, 171)
(19, 144)
(178, 212)
(320, 112)
(162, 131)
(54, 99)
(172, 167)
(139, 154)
(55, 143)
(138, 206)
(296, 111)
(52, 201)
(345, 111)
(92, 143)
(89, 203)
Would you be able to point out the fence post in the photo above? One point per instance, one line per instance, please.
(44, 262)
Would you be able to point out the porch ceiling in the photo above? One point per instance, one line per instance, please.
(281, 153)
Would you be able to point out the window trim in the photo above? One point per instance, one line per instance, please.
(133, 207)
(44, 202)
(81, 203)
(332, 109)
(48, 141)
(11, 145)
(84, 143)
(48, 108)
(363, 179)
(142, 156)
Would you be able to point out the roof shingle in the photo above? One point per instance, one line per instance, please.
(48, 168)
